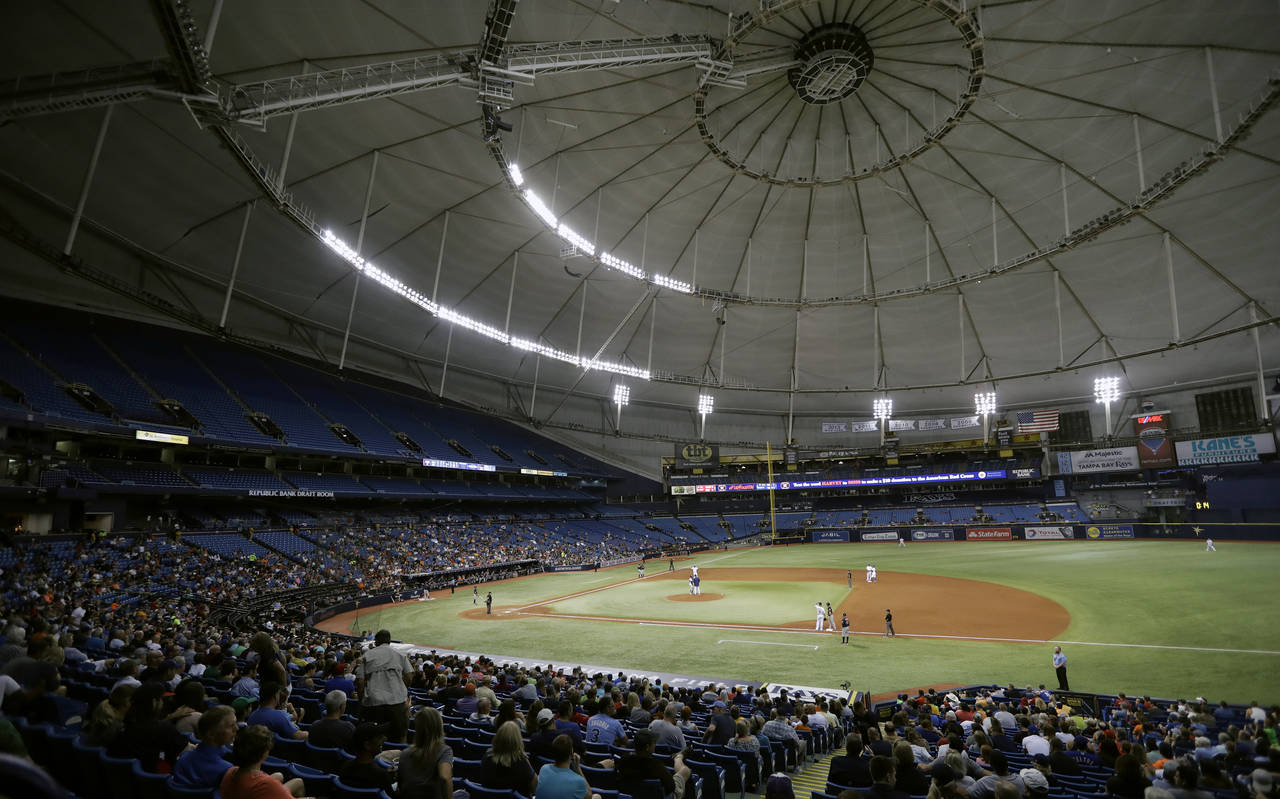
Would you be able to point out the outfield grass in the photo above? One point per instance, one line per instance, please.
(1122, 593)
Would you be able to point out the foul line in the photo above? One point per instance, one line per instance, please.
(789, 631)
(765, 643)
(590, 591)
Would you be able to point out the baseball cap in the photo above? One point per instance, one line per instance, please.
(545, 715)
(1262, 780)
(366, 732)
(942, 774)
(718, 704)
(1034, 780)
(242, 702)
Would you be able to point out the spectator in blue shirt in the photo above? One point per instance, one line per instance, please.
(270, 715)
(204, 766)
(603, 728)
(247, 685)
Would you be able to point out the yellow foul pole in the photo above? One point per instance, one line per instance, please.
(773, 514)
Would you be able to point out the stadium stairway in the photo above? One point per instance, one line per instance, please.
(814, 776)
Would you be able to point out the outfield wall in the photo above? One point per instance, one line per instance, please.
(1059, 531)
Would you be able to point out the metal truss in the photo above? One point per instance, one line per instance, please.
(85, 88)
(259, 101)
(553, 57)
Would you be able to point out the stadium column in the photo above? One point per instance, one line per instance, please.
(235, 265)
(88, 180)
(355, 290)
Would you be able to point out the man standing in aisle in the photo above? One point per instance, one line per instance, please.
(888, 624)
(1060, 666)
(382, 679)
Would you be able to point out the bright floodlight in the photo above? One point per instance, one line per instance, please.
(706, 403)
(985, 404)
(621, 395)
(516, 176)
(1106, 389)
(882, 408)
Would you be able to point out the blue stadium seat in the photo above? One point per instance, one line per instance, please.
(147, 785)
(478, 791)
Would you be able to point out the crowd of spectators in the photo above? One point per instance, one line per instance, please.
(121, 636)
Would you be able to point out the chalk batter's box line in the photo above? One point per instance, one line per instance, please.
(792, 631)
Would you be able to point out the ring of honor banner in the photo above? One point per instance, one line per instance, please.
(1155, 448)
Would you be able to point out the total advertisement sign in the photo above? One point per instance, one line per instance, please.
(1055, 533)
(1113, 459)
(989, 534)
(1228, 449)
(1102, 532)
(933, 534)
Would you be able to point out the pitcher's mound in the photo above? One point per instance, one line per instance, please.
(692, 598)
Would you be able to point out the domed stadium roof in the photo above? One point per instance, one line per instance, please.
(792, 206)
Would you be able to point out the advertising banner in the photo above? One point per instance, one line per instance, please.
(896, 425)
(1057, 533)
(289, 492)
(697, 454)
(933, 424)
(1099, 532)
(885, 535)
(1113, 459)
(965, 422)
(830, 536)
(835, 427)
(581, 567)
(1228, 449)
(682, 490)
(864, 427)
(1155, 448)
(989, 534)
(933, 534)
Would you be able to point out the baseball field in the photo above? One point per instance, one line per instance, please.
(1163, 618)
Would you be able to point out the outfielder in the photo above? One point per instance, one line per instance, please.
(1208, 545)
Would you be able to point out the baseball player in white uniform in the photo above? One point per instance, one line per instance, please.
(870, 571)
(822, 615)
(874, 577)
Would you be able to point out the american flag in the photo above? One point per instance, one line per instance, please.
(1037, 421)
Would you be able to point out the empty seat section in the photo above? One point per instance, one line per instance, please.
(326, 397)
(39, 388)
(169, 368)
(77, 356)
(260, 389)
